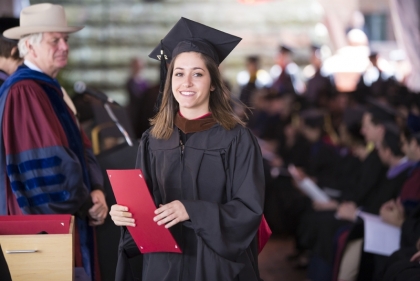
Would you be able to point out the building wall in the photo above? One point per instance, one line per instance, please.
(117, 30)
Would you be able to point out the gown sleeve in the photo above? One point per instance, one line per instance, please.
(228, 229)
(45, 175)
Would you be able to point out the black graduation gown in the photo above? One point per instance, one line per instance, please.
(4, 268)
(218, 176)
(373, 171)
(284, 83)
(387, 189)
(247, 92)
(317, 87)
(317, 229)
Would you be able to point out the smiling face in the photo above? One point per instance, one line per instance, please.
(191, 85)
(51, 54)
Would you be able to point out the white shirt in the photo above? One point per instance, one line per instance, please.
(66, 97)
(32, 66)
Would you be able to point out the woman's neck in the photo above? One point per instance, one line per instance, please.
(193, 114)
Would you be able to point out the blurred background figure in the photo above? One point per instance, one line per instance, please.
(319, 83)
(137, 88)
(9, 53)
(251, 79)
(285, 73)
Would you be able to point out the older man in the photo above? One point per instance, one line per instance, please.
(46, 161)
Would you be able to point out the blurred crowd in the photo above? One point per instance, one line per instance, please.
(353, 132)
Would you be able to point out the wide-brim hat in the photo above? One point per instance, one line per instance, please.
(38, 18)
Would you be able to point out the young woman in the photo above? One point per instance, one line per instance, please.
(202, 166)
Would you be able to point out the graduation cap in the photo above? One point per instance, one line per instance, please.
(315, 47)
(7, 23)
(285, 49)
(253, 59)
(191, 36)
(381, 113)
(313, 118)
(373, 54)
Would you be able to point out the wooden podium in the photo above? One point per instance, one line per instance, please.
(38, 247)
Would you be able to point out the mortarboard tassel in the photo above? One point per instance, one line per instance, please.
(163, 72)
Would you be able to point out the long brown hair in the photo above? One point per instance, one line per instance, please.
(219, 103)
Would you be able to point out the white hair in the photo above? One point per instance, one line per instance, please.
(34, 39)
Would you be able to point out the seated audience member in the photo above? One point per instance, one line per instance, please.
(399, 169)
(318, 229)
(405, 213)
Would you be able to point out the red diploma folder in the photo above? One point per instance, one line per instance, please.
(130, 190)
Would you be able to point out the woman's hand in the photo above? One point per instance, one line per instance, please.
(120, 215)
(171, 214)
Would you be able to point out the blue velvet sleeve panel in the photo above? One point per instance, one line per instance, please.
(47, 181)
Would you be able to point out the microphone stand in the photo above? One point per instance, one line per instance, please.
(117, 123)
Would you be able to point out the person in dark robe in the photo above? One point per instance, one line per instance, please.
(321, 161)
(249, 87)
(285, 70)
(46, 162)
(319, 84)
(9, 53)
(320, 227)
(203, 168)
(399, 170)
(405, 213)
(137, 88)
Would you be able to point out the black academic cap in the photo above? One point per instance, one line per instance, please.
(253, 59)
(285, 48)
(315, 47)
(313, 118)
(191, 36)
(6, 23)
(381, 113)
(373, 54)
